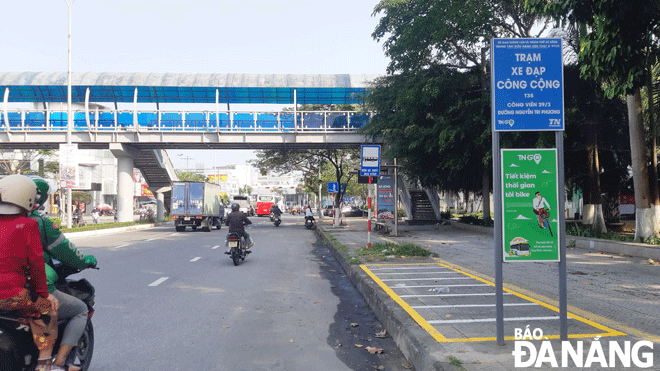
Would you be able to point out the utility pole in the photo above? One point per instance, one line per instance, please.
(69, 115)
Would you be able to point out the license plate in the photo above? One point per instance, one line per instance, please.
(233, 243)
(186, 218)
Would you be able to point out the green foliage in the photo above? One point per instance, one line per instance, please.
(476, 219)
(94, 227)
(191, 177)
(380, 251)
(575, 229)
(81, 196)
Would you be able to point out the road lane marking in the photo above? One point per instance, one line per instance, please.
(215, 247)
(450, 295)
(120, 246)
(158, 281)
(427, 286)
(175, 234)
(195, 259)
(151, 239)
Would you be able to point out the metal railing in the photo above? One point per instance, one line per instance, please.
(247, 121)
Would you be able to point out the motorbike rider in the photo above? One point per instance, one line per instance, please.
(21, 256)
(275, 210)
(56, 246)
(95, 215)
(309, 215)
(237, 220)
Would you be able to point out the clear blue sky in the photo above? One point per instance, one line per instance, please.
(211, 36)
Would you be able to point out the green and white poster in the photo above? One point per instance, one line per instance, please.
(529, 205)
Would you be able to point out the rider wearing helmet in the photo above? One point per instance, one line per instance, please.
(57, 246)
(21, 256)
(237, 220)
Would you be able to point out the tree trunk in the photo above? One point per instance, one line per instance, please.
(593, 205)
(486, 197)
(643, 210)
(655, 187)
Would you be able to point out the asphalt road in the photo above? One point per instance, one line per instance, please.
(174, 301)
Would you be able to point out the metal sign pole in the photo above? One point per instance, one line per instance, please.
(498, 253)
(563, 299)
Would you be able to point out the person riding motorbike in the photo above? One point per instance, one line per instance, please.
(237, 220)
(56, 246)
(275, 210)
(22, 261)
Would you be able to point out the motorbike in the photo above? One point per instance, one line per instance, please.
(77, 220)
(309, 222)
(17, 349)
(276, 219)
(237, 248)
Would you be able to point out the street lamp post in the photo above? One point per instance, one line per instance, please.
(69, 115)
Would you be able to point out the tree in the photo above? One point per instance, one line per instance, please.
(191, 177)
(20, 161)
(245, 190)
(617, 51)
(424, 35)
(308, 161)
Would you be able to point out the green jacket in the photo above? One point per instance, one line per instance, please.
(56, 246)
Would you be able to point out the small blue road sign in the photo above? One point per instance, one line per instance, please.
(370, 161)
(333, 187)
(527, 85)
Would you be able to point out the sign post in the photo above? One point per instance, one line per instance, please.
(370, 167)
(527, 93)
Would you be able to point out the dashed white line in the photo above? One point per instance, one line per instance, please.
(120, 246)
(158, 281)
(195, 259)
(215, 247)
(175, 234)
(151, 239)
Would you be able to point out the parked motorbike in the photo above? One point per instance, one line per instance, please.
(18, 351)
(237, 248)
(309, 222)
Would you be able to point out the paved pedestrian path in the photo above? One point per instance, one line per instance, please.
(442, 309)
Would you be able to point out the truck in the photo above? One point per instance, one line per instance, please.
(243, 204)
(197, 204)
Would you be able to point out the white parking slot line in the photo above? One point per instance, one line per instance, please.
(215, 247)
(120, 246)
(468, 305)
(512, 319)
(400, 268)
(443, 272)
(427, 279)
(195, 259)
(427, 286)
(449, 295)
(158, 281)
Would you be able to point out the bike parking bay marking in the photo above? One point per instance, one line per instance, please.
(195, 259)
(436, 308)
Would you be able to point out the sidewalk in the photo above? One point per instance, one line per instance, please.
(610, 295)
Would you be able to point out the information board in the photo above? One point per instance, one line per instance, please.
(527, 86)
(529, 205)
(333, 187)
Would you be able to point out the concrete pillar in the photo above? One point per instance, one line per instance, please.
(160, 206)
(125, 188)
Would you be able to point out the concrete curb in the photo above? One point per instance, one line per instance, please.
(115, 230)
(411, 339)
(640, 250)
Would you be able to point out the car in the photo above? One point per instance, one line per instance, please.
(329, 210)
(351, 211)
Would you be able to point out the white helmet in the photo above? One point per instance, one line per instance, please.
(18, 190)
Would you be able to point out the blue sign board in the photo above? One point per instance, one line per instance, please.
(527, 85)
(343, 187)
(370, 161)
(333, 187)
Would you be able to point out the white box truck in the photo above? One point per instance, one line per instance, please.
(197, 204)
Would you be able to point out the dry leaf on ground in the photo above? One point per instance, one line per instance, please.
(381, 334)
(374, 350)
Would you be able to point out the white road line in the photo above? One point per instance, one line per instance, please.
(450, 295)
(120, 246)
(158, 281)
(384, 268)
(175, 234)
(151, 239)
(467, 305)
(427, 279)
(195, 259)
(427, 286)
(215, 247)
(512, 319)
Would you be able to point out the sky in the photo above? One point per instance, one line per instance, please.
(296, 37)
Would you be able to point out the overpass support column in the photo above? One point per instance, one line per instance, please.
(160, 206)
(125, 155)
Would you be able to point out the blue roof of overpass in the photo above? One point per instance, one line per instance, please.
(187, 88)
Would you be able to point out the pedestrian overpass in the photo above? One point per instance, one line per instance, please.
(139, 134)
